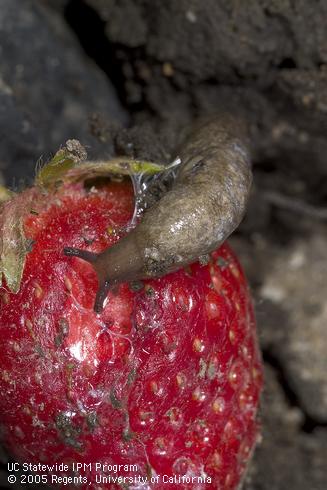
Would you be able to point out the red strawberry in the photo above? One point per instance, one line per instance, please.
(166, 378)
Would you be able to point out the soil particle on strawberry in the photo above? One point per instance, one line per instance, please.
(63, 330)
(204, 259)
(67, 430)
(92, 420)
(136, 285)
(115, 402)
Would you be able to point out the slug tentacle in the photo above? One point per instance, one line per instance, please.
(82, 254)
(206, 203)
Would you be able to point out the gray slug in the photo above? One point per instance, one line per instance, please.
(205, 204)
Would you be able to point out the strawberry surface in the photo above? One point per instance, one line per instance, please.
(165, 381)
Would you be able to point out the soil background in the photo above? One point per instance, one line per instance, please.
(126, 76)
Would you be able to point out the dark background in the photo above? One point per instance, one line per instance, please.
(125, 76)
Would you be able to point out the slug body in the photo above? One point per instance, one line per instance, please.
(206, 203)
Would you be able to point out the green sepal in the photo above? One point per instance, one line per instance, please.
(5, 194)
(69, 166)
(53, 172)
(13, 243)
